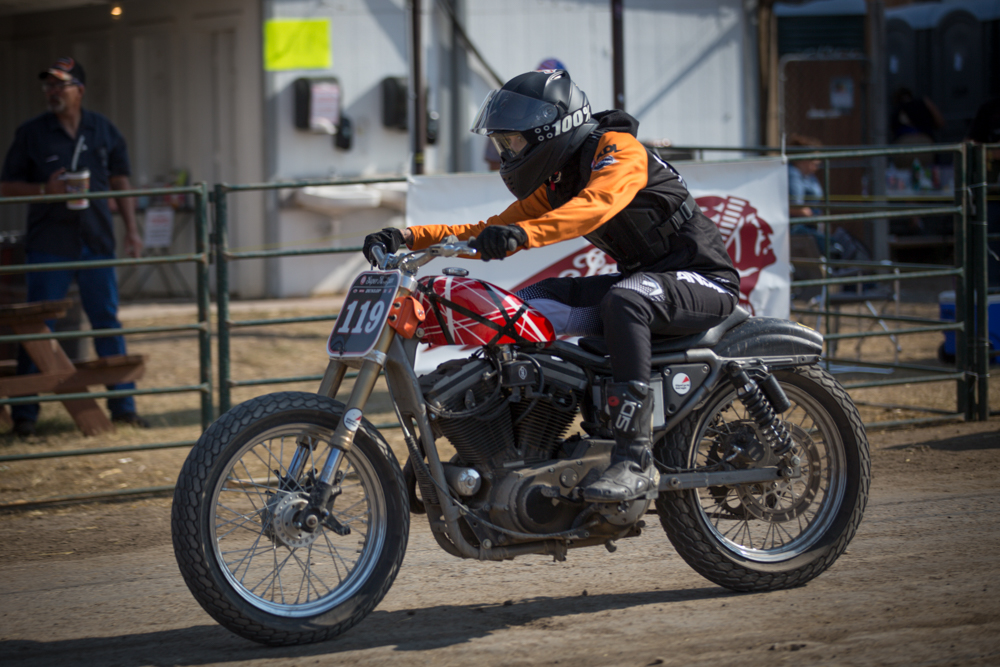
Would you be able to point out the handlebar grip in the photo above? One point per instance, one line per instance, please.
(378, 254)
(511, 245)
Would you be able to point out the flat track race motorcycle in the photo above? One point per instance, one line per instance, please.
(291, 514)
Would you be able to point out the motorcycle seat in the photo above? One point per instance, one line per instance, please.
(663, 345)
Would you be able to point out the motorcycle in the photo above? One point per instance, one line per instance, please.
(291, 514)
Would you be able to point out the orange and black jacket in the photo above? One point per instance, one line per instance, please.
(601, 186)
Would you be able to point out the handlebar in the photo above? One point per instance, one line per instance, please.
(410, 262)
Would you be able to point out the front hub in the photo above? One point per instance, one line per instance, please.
(284, 523)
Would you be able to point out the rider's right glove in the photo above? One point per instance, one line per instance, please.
(496, 241)
(390, 237)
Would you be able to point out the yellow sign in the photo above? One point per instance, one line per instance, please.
(297, 44)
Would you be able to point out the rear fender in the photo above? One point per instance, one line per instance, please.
(769, 337)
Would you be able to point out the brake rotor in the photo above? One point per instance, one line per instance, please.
(281, 525)
(786, 499)
(739, 446)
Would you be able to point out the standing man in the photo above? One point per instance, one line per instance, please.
(44, 149)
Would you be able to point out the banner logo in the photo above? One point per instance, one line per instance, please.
(747, 237)
(587, 261)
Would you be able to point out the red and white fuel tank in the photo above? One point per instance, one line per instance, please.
(467, 311)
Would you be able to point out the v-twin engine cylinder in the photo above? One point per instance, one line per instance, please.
(493, 411)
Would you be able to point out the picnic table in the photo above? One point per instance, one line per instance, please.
(57, 373)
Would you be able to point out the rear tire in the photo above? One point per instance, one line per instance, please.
(763, 537)
(235, 536)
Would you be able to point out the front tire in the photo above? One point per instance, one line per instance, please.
(763, 537)
(236, 540)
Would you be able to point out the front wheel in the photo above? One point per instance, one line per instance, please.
(761, 537)
(242, 552)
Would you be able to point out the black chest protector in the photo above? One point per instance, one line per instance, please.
(639, 236)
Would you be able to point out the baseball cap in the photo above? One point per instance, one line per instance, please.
(65, 69)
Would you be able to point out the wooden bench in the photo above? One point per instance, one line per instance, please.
(57, 374)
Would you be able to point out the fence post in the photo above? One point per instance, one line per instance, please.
(963, 285)
(828, 322)
(222, 292)
(978, 248)
(204, 304)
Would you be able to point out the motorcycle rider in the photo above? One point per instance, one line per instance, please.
(575, 174)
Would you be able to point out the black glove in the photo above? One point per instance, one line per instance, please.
(496, 241)
(390, 237)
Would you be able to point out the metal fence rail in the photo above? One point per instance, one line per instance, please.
(972, 349)
(967, 208)
(223, 257)
(202, 326)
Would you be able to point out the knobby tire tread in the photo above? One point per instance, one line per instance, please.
(191, 552)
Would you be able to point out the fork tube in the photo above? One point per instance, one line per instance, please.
(332, 378)
(364, 384)
(299, 459)
(343, 437)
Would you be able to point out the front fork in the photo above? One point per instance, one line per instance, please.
(343, 437)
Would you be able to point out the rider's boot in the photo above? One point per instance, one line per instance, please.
(632, 473)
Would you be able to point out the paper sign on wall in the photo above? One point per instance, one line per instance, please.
(159, 232)
(324, 112)
(297, 44)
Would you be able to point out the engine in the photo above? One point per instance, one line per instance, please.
(495, 411)
(507, 417)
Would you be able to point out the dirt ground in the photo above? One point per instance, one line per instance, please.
(96, 583)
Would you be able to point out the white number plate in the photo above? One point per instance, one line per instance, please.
(364, 314)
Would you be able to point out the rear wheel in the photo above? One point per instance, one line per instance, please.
(237, 540)
(757, 537)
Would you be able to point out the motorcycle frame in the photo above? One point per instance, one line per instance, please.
(392, 356)
(396, 359)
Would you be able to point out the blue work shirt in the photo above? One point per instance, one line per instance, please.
(803, 188)
(41, 146)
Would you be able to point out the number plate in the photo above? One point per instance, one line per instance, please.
(364, 314)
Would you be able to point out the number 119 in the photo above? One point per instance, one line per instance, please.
(374, 317)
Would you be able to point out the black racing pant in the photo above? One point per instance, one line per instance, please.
(628, 312)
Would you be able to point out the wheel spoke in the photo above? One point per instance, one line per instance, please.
(273, 562)
(239, 522)
(779, 517)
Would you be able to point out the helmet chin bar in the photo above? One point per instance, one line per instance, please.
(541, 162)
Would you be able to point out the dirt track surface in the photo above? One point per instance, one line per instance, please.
(97, 585)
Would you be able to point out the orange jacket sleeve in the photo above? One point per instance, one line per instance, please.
(534, 206)
(620, 171)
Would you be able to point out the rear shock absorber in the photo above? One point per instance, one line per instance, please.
(773, 430)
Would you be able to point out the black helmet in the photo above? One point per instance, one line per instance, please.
(536, 121)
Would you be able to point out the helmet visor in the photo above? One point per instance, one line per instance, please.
(504, 111)
(509, 144)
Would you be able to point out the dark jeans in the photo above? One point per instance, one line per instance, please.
(628, 312)
(99, 298)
